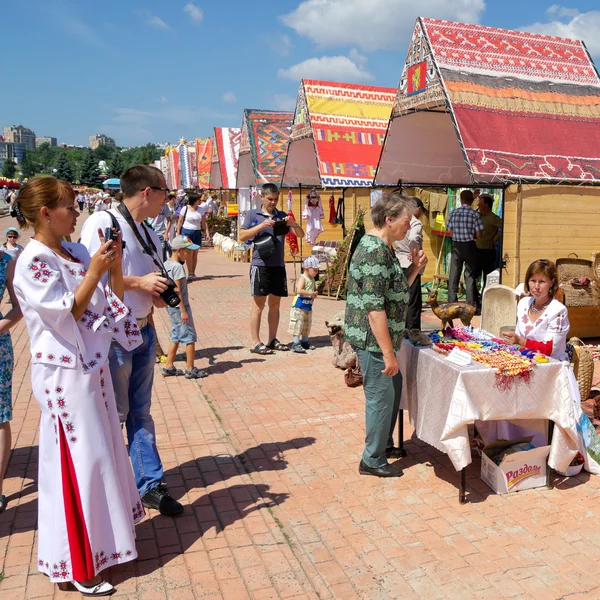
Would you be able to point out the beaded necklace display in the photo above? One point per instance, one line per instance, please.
(511, 362)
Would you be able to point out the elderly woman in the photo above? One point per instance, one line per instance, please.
(376, 309)
(88, 500)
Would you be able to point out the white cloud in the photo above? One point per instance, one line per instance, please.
(561, 11)
(157, 22)
(282, 45)
(283, 102)
(229, 98)
(351, 69)
(584, 26)
(373, 24)
(194, 12)
(164, 100)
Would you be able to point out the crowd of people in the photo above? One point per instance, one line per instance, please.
(88, 308)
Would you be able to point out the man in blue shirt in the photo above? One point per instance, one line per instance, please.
(267, 269)
(466, 226)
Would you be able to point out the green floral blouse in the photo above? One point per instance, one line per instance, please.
(376, 282)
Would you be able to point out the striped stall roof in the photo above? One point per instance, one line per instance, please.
(525, 106)
(347, 124)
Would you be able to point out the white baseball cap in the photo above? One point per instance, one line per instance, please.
(312, 262)
(182, 241)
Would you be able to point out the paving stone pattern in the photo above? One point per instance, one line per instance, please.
(264, 456)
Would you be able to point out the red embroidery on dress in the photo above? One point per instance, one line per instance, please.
(60, 570)
(51, 357)
(38, 355)
(66, 359)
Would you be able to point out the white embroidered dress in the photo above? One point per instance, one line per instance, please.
(313, 215)
(88, 500)
(551, 326)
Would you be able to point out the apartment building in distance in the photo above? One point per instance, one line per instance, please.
(18, 134)
(99, 139)
(45, 140)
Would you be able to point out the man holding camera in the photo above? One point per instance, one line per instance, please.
(144, 194)
(267, 228)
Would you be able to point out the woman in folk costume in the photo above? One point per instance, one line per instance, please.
(313, 213)
(88, 500)
(542, 321)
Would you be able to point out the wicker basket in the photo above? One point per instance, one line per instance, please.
(583, 366)
(596, 267)
(573, 268)
(580, 296)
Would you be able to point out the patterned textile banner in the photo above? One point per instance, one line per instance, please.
(203, 157)
(348, 124)
(174, 168)
(527, 106)
(266, 135)
(227, 141)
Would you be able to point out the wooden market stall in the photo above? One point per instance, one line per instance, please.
(481, 107)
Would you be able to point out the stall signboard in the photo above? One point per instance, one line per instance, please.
(232, 210)
(516, 472)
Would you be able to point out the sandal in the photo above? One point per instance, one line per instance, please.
(277, 345)
(172, 372)
(3, 503)
(261, 349)
(195, 373)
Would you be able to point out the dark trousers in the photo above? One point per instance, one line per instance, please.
(463, 254)
(486, 263)
(415, 305)
(382, 403)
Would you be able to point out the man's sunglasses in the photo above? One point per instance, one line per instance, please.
(166, 190)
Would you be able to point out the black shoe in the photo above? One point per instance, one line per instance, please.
(307, 346)
(159, 498)
(395, 452)
(385, 471)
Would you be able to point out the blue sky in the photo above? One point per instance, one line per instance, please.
(152, 71)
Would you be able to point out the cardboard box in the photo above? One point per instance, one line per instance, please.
(517, 471)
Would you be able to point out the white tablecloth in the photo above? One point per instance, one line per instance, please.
(443, 398)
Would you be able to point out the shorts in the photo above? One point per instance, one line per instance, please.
(300, 322)
(181, 333)
(268, 280)
(194, 234)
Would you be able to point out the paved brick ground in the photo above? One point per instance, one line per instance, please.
(264, 455)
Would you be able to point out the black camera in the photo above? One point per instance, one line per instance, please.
(170, 296)
(111, 233)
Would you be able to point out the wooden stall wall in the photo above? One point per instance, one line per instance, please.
(555, 221)
(331, 232)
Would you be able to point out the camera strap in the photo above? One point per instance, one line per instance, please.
(147, 245)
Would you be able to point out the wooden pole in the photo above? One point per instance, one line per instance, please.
(517, 274)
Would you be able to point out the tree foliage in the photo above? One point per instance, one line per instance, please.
(29, 168)
(64, 170)
(10, 168)
(89, 170)
(47, 158)
(116, 166)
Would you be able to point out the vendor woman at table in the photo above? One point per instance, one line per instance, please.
(542, 326)
(542, 321)
(376, 307)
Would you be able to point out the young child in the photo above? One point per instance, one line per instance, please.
(301, 311)
(182, 322)
(11, 246)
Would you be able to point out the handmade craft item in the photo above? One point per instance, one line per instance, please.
(447, 311)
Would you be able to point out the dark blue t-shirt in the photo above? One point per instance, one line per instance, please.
(255, 217)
